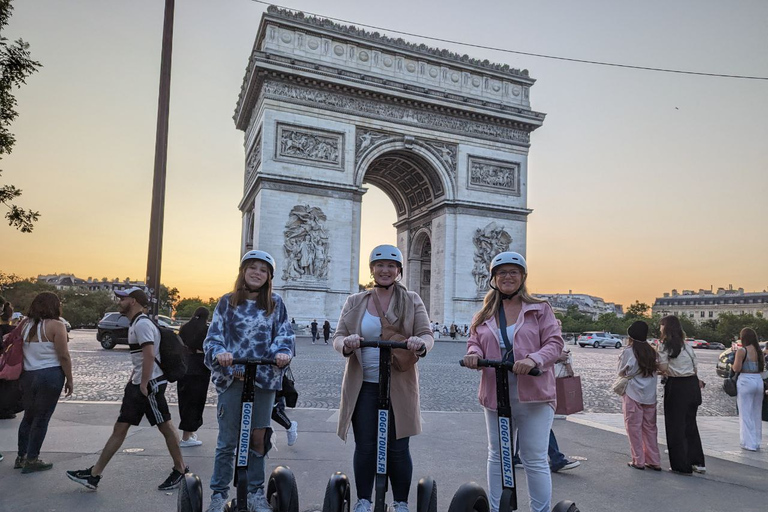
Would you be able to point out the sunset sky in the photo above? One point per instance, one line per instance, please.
(640, 181)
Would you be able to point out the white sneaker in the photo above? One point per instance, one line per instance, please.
(192, 441)
(363, 506)
(400, 506)
(218, 502)
(257, 502)
(699, 469)
(292, 433)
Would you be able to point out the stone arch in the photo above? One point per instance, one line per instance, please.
(419, 264)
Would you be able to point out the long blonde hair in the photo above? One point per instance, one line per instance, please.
(492, 301)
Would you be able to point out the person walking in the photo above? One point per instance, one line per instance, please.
(193, 386)
(326, 331)
(638, 362)
(313, 327)
(523, 328)
(47, 369)
(251, 321)
(372, 315)
(749, 364)
(144, 395)
(682, 398)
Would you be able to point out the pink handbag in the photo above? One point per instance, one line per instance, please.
(12, 357)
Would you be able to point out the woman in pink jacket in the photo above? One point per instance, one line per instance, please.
(533, 341)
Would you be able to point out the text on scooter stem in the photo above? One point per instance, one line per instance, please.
(381, 451)
(505, 435)
(245, 434)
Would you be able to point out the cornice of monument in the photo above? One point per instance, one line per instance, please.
(321, 49)
(352, 31)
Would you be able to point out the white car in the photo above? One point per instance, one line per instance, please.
(599, 339)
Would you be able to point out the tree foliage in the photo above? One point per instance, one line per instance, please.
(187, 306)
(15, 66)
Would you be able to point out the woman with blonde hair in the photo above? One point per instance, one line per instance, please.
(749, 364)
(525, 330)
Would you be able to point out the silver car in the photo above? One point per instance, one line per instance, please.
(599, 339)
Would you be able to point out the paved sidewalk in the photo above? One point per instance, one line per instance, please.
(452, 450)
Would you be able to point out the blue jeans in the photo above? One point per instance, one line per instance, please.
(228, 413)
(556, 458)
(40, 393)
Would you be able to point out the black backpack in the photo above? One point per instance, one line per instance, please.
(173, 354)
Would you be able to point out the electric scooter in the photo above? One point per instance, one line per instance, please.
(471, 497)
(281, 491)
(337, 491)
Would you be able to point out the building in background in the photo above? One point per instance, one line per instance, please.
(587, 304)
(69, 281)
(708, 305)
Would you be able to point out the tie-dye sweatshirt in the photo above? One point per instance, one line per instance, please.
(245, 331)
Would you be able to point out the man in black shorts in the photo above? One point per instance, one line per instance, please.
(144, 394)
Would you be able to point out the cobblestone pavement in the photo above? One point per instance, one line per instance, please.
(100, 375)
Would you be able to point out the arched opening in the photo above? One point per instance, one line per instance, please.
(377, 219)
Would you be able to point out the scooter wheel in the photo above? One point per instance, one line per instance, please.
(190, 496)
(337, 493)
(470, 497)
(282, 493)
(426, 500)
(565, 506)
(508, 501)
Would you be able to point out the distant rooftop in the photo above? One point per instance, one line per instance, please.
(399, 42)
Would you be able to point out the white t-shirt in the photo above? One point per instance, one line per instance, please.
(370, 329)
(142, 332)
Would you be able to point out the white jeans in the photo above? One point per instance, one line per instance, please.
(533, 422)
(750, 401)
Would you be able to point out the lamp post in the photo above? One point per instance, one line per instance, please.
(155, 256)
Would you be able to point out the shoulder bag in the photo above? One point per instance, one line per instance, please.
(12, 356)
(620, 384)
(402, 360)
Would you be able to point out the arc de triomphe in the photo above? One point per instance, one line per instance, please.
(327, 108)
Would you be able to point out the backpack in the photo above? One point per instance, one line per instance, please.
(173, 354)
(12, 356)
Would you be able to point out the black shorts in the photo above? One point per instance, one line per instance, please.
(136, 405)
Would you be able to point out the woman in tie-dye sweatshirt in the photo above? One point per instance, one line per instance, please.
(249, 322)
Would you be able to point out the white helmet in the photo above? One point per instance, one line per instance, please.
(261, 256)
(386, 252)
(509, 258)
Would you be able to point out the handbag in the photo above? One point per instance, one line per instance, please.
(569, 395)
(402, 360)
(620, 385)
(12, 356)
(729, 384)
(288, 390)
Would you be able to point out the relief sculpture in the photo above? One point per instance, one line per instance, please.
(306, 244)
(495, 175)
(489, 241)
(309, 146)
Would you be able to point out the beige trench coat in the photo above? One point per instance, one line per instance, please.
(404, 386)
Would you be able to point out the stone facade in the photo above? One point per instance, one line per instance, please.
(327, 109)
(708, 305)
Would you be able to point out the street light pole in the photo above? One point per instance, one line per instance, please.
(155, 256)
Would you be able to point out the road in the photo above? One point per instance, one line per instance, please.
(100, 375)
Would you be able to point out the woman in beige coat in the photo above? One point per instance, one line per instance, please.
(361, 320)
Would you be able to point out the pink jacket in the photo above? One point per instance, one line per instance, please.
(538, 337)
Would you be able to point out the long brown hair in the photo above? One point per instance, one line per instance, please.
(492, 301)
(748, 336)
(672, 335)
(646, 357)
(240, 293)
(46, 305)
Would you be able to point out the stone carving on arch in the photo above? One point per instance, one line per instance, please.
(306, 244)
(442, 157)
(489, 241)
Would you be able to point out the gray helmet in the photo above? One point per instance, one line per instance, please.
(386, 252)
(261, 256)
(509, 258)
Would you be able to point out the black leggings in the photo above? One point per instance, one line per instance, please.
(193, 392)
(399, 463)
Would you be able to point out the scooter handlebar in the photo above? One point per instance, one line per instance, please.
(254, 360)
(383, 344)
(495, 363)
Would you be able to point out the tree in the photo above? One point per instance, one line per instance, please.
(638, 310)
(168, 299)
(21, 292)
(15, 67)
(82, 308)
(187, 306)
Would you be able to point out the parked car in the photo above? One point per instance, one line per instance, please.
(66, 324)
(725, 359)
(169, 322)
(699, 344)
(112, 330)
(713, 345)
(599, 339)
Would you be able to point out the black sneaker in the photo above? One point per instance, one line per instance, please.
(84, 477)
(174, 480)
